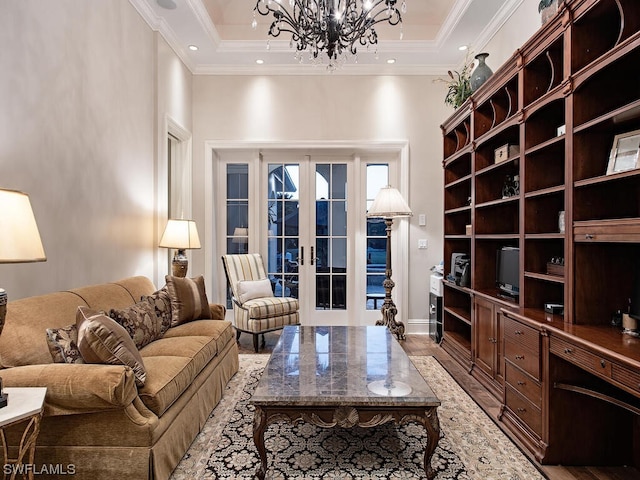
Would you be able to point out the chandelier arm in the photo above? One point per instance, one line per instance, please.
(317, 26)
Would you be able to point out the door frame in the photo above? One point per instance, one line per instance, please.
(213, 173)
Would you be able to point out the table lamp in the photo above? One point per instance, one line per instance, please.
(19, 243)
(181, 235)
(389, 204)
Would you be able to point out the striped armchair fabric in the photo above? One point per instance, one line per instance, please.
(256, 315)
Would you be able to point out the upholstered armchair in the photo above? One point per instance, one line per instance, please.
(256, 309)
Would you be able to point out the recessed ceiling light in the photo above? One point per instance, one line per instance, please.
(391, 61)
(462, 48)
(259, 61)
(193, 47)
(168, 4)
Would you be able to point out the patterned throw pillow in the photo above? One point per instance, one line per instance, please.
(188, 299)
(147, 320)
(63, 344)
(162, 304)
(102, 340)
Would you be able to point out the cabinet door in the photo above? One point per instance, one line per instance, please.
(485, 334)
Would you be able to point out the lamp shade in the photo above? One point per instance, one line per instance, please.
(240, 235)
(389, 204)
(19, 237)
(180, 234)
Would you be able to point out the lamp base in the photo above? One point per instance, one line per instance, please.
(389, 311)
(389, 388)
(179, 264)
(3, 307)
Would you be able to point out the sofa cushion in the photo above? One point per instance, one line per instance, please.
(175, 360)
(188, 299)
(63, 344)
(220, 330)
(102, 340)
(251, 289)
(146, 320)
(271, 307)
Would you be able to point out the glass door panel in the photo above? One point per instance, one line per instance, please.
(331, 236)
(283, 228)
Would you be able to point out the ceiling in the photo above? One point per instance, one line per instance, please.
(227, 45)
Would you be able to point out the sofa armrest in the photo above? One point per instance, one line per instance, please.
(76, 388)
(217, 311)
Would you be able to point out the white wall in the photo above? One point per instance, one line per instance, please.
(524, 22)
(78, 133)
(335, 108)
(85, 91)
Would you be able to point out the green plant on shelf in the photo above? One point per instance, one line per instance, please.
(459, 87)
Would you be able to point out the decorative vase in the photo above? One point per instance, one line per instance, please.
(481, 73)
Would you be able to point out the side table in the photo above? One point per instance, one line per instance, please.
(25, 405)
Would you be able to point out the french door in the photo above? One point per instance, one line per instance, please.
(309, 233)
(306, 215)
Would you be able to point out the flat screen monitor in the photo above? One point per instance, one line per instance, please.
(508, 271)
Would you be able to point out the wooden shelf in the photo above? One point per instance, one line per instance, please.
(545, 276)
(564, 76)
(460, 314)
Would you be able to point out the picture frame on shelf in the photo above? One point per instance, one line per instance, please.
(624, 152)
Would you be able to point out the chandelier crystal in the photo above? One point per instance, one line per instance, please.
(336, 27)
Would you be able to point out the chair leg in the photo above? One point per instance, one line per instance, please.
(263, 341)
(255, 341)
(238, 332)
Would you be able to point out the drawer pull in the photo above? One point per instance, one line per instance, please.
(518, 332)
(521, 383)
(603, 363)
(568, 351)
(589, 236)
(519, 357)
(521, 410)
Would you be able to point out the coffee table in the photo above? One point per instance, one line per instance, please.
(342, 377)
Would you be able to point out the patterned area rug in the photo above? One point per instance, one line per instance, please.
(471, 445)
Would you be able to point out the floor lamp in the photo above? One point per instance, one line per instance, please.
(389, 204)
(19, 242)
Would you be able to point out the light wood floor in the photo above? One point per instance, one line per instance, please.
(423, 345)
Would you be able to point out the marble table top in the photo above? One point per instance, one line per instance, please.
(339, 365)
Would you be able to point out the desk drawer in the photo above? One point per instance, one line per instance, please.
(523, 384)
(523, 357)
(520, 333)
(581, 357)
(524, 410)
(626, 377)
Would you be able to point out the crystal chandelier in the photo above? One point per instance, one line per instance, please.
(336, 27)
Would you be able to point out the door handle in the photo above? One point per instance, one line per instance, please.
(301, 256)
(312, 258)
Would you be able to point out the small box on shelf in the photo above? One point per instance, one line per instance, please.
(555, 269)
(504, 152)
(467, 229)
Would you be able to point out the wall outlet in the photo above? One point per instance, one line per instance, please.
(422, 220)
(423, 243)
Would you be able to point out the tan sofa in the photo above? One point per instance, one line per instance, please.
(95, 418)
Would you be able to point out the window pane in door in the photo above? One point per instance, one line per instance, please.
(377, 178)
(331, 236)
(283, 228)
(237, 207)
(237, 210)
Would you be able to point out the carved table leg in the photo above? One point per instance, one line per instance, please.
(432, 424)
(259, 426)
